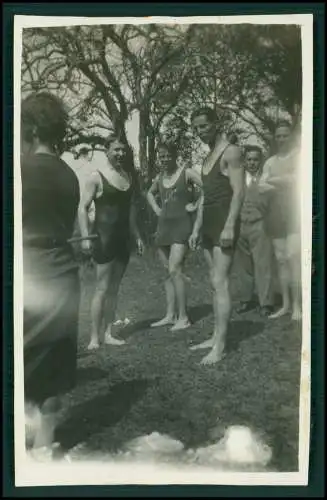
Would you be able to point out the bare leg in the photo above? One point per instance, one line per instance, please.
(208, 344)
(222, 262)
(280, 250)
(49, 419)
(294, 256)
(176, 258)
(98, 302)
(169, 319)
(117, 271)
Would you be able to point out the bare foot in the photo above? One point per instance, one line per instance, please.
(297, 314)
(110, 340)
(278, 314)
(215, 355)
(167, 320)
(207, 344)
(93, 345)
(181, 324)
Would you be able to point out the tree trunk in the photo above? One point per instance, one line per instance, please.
(151, 153)
(143, 143)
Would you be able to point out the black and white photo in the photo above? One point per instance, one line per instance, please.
(163, 219)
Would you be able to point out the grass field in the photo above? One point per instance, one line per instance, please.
(155, 383)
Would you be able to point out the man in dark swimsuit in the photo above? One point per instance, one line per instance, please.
(223, 193)
(112, 190)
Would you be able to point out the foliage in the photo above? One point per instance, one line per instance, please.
(249, 73)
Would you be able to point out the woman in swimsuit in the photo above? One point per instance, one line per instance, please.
(175, 224)
(112, 189)
(280, 179)
(50, 198)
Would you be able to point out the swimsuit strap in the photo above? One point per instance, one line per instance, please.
(217, 161)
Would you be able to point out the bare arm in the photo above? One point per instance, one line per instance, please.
(289, 176)
(133, 220)
(199, 215)
(264, 184)
(88, 195)
(134, 223)
(265, 172)
(233, 159)
(151, 196)
(193, 176)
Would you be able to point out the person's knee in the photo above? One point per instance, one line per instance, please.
(294, 248)
(281, 256)
(175, 270)
(101, 289)
(219, 283)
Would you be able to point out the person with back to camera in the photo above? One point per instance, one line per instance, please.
(50, 197)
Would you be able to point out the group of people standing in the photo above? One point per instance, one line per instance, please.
(220, 218)
(247, 208)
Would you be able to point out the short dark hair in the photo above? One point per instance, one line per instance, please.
(113, 137)
(206, 111)
(252, 148)
(170, 146)
(43, 115)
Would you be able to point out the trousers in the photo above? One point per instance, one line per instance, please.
(254, 254)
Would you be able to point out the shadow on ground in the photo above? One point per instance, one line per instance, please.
(89, 374)
(100, 412)
(240, 331)
(196, 313)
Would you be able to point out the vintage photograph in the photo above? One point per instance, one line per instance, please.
(163, 218)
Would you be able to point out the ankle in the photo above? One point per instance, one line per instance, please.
(108, 330)
(170, 316)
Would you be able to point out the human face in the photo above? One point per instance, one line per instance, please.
(252, 162)
(116, 153)
(165, 160)
(283, 138)
(204, 129)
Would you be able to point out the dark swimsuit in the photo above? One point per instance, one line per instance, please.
(218, 195)
(175, 223)
(112, 224)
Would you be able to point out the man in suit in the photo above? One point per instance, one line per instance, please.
(254, 248)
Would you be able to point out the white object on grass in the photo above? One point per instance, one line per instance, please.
(240, 445)
(155, 443)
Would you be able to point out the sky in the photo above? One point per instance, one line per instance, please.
(82, 166)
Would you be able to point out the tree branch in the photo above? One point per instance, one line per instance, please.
(182, 87)
(109, 32)
(112, 81)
